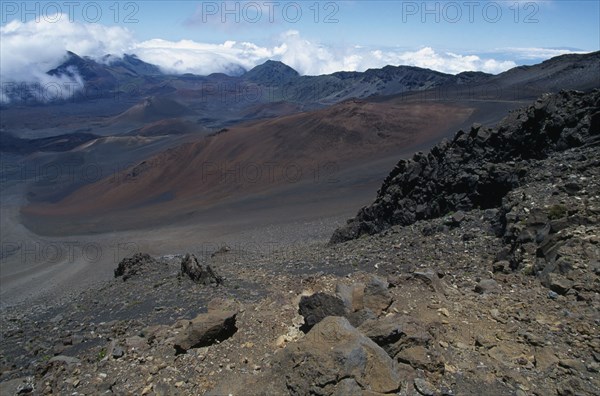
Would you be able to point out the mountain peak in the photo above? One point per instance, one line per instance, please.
(271, 72)
(135, 65)
(72, 58)
(74, 63)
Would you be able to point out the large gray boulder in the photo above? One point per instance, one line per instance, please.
(332, 359)
(394, 333)
(206, 329)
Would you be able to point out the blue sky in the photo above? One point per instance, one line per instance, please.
(551, 23)
(313, 36)
(456, 26)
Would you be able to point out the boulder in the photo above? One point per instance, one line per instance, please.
(421, 358)
(334, 358)
(359, 317)
(487, 286)
(545, 358)
(348, 387)
(377, 296)
(317, 307)
(432, 280)
(557, 283)
(117, 352)
(136, 343)
(385, 332)
(204, 275)
(134, 265)
(424, 387)
(206, 329)
(351, 295)
(394, 333)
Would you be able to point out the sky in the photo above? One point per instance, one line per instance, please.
(313, 37)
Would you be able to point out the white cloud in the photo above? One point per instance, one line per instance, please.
(305, 56)
(30, 49)
(447, 62)
(188, 56)
(538, 53)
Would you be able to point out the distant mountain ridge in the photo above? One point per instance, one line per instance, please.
(269, 72)
(110, 68)
(129, 75)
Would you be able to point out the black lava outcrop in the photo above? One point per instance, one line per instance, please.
(476, 169)
(197, 272)
(317, 307)
(134, 265)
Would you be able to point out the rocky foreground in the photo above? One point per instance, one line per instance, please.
(480, 278)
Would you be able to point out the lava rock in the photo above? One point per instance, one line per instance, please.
(118, 352)
(487, 286)
(191, 268)
(17, 386)
(206, 329)
(424, 387)
(558, 283)
(476, 169)
(395, 332)
(359, 317)
(431, 279)
(317, 307)
(377, 296)
(351, 295)
(332, 358)
(68, 360)
(385, 332)
(134, 265)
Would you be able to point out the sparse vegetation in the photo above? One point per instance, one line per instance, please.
(557, 212)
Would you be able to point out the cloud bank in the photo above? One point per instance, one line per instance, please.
(306, 57)
(32, 48)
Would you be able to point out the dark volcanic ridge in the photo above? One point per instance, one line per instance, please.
(476, 169)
